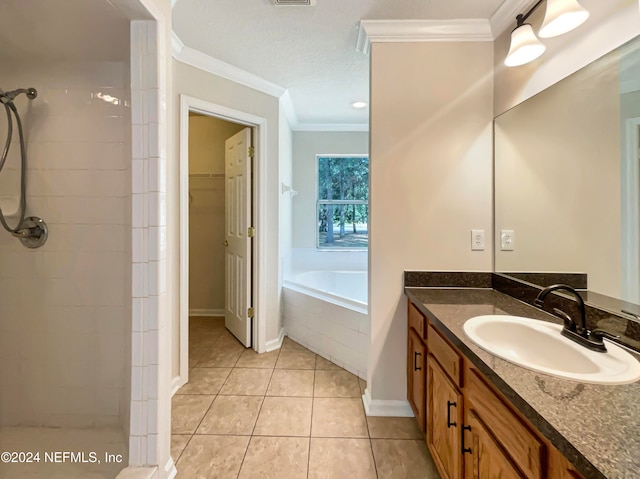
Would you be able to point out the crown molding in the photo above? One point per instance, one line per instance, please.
(176, 45)
(289, 110)
(331, 127)
(200, 60)
(460, 30)
(190, 56)
(505, 16)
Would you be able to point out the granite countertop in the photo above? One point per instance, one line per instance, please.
(597, 427)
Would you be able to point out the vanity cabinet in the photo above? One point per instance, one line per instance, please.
(472, 431)
(417, 366)
(497, 431)
(444, 419)
(486, 457)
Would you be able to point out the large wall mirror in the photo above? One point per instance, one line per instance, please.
(567, 178)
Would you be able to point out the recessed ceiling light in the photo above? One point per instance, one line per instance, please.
(359, 104)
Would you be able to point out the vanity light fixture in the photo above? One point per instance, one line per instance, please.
(359, 105)
(561, 16)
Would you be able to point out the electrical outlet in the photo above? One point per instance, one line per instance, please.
(507, 240)
(477, 240)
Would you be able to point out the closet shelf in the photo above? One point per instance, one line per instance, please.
(206, 175)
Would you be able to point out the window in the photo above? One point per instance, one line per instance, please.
(343, 202)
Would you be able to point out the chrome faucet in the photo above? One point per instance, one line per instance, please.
(577, 332)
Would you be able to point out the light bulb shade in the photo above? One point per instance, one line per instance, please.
(525, 46)
(562, 16)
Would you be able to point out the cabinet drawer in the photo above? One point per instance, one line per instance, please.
(448, 357)
(416, 320)
(524, 448)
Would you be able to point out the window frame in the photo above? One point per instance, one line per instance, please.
(319, 202)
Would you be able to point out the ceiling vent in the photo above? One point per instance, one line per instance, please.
(289, 3)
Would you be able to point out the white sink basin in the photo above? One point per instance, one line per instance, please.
(539, 346)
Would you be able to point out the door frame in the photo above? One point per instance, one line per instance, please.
(259, 124)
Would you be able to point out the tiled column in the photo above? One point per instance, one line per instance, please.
(151, 358)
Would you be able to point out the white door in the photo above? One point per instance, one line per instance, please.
(238, 261)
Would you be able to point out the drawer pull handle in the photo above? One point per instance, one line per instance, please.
(465, 450)
(449, 423)
(415, 361)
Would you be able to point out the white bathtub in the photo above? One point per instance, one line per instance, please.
(326, 311)
(344, 288)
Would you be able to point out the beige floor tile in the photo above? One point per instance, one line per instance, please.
(227, 339)
(284, 416)
(291, 382)
(187, 411)
(203, 337)
(196, 352)
(296, 359)
(205, 381)
(221, 356)
(251, 359)
(178, 443)
(325, 364)
(331, 458)
(231, 415)
(276, 458)
(289, 343)
(338, 417)
(363, 385)
(402, 459)
(247, 382)
(336, 384)
(393, 428)
(206, 322)
(209, 457)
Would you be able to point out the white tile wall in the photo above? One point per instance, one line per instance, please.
(149, 440)
(65, 308)
(335, 333)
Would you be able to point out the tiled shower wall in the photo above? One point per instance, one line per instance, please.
(65, 309)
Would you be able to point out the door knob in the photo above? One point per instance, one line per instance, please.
(226, 243)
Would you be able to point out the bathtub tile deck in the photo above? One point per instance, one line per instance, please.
(285, 414)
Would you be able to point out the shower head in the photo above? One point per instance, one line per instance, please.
(9, 96)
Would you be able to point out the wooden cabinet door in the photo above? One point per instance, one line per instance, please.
(486, 458)
(416, 377)
(444, 410)
(560, 467)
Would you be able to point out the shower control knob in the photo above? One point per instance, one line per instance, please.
(34, 232)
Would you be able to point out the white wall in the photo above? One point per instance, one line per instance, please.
(65, 308)
(430, 182)
(306, 145)
(205, 86)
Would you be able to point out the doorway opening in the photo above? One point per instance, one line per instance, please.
(220, 213)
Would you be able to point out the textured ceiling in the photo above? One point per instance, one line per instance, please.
(69, 30)
(308, 50)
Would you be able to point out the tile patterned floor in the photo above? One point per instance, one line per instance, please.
(286, 414)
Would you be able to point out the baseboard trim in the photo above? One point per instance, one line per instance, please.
(177, 383)
(206, 312)
(275, 343)
(138, 473)
(170, 471)
(378, 407)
